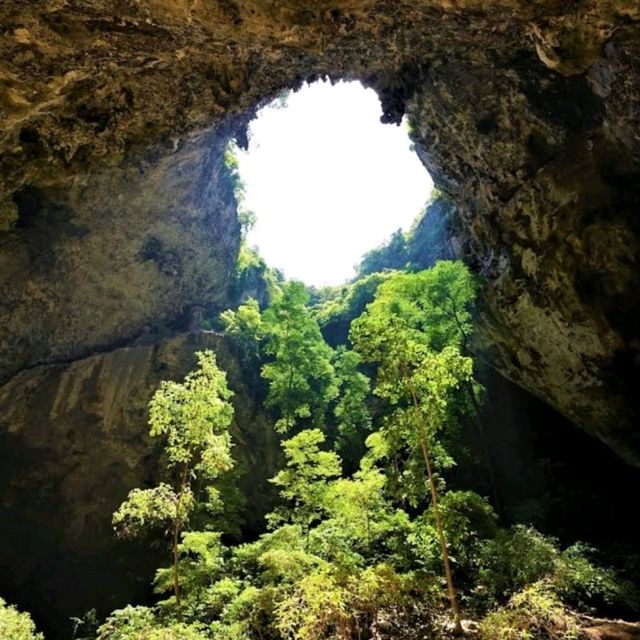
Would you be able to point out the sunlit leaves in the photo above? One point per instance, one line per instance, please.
(245, 323)
(303, 481)
(202, 562)
(193, 418)
(342, 606)
(146, 510)
(15, 625)
(300, 375)
(140, 623)
(410, 333)
(191, 414)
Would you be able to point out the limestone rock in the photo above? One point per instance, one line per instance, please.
(115, 213)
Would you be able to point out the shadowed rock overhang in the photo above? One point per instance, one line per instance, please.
(117, 216)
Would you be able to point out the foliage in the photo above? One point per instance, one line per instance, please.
(354, 550)
(245, 326)
(513, 559)
(246, 217)
(517, 557)
(390, 255)
(534, 613)
(201, 560)
(15, 625)
(468, 521)
(414, 331)
(585, 585)
(419, 372)
(253, 277)
(147, 509)
(193, 418)
(140, 623)
(300, 375)
(419, 385)
(326, 604)
(433, 307)
(303, 481)
(335, 313)
(350, 411)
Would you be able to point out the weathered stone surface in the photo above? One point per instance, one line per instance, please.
(75, 442)
(116, 214)
(548, 189)
(97, 261)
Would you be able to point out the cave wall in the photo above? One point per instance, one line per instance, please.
(545, 172)
(117, 220)
(115, 214)
(550, 473)
(75, 440)
(93, 262)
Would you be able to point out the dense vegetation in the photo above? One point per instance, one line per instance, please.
(15, 625)
(368, 540)
(427, 240)
(372, 387)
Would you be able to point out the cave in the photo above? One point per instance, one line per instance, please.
(118, 223)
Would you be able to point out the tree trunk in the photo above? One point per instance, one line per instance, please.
(453, 598)
(176, 542)
(176, 568)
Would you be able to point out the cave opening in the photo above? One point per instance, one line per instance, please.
(324, 181)
(531, 445)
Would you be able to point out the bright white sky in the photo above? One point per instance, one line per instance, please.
(328, 182)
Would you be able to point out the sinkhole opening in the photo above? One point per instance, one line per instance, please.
(326, 181)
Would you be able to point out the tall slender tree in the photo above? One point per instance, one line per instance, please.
(419, 371)
(193, 418)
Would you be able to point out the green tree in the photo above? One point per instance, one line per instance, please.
(357, 504)
(202, 562)
(418, 374)
(245, 326)
(303, 481)
(335, 310)
(301, 377)
(434, 305)
(245, 322)
(193, 418)
(351, 411)
(391, 255)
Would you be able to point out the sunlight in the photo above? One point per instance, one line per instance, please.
(328, 181)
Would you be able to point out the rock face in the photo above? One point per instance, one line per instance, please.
(118, 224)
(78, 441)
(545, 172)
(116, 212)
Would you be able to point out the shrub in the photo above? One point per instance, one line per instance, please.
(583, 584)
(515, 558)
(15, 625)
(140, 623)
(328, 604)
(535, 613)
